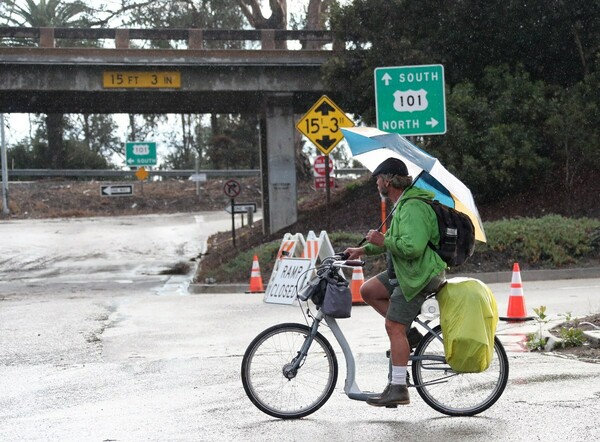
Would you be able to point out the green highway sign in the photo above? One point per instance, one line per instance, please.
(140, 153)
(410, 100)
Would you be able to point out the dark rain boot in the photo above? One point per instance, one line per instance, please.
(392, 396)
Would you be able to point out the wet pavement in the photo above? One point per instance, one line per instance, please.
(97, 345)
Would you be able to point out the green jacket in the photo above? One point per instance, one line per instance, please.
(413, 225)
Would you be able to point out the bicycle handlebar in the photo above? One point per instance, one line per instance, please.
(349, 263)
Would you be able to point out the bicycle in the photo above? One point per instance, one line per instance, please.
(290, 370)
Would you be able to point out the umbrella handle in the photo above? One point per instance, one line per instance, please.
(380, 225)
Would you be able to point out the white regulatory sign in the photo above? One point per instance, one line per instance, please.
(290, 277)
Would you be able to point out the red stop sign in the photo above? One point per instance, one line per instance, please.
(320, 165)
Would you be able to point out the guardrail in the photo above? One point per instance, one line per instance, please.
(195, 38)
(103, 173)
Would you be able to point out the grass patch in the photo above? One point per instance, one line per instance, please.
(550, 242)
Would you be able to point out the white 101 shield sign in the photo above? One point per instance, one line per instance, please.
(141, 149)
(410, 100)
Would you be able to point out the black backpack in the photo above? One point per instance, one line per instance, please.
(457, 234)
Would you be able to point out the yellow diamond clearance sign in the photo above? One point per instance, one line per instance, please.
(322, 124)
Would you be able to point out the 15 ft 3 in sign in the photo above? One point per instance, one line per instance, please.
(322, 124)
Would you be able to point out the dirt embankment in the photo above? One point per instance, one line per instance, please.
(60, 198)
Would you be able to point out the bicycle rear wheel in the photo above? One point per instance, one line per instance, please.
(457, 394)
(267, 360)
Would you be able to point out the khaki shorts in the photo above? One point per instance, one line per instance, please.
(401, 310)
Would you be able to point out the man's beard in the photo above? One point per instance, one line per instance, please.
(383, 192)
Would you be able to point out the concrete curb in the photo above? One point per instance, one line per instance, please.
(535, 275)
(592, 336)
(196, 289)
(487, 277)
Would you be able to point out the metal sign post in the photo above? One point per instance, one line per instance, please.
(323, 167)
(321, 125)
(5, 209)
(232, 189)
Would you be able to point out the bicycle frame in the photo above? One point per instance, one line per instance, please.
(351, 388)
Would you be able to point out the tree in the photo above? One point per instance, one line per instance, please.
(317, 15)
(51, 13)
(34, 153)
(185, 149)
(95, 133)
(194, 14)
(555, 41)
(277, 20)
(232, 142)
(520, 76)
(572, 130)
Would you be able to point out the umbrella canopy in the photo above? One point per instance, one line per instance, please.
(372, 146)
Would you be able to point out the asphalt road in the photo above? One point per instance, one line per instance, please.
(97, 345)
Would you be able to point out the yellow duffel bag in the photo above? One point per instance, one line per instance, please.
(468, 316)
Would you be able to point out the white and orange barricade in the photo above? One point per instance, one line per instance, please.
(295, 264)
(311, 248)
(289, 245)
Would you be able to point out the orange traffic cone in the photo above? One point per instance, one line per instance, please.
(358, 280)
(256, 283)
(516, 302)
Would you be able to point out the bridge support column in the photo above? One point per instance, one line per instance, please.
(278, 163)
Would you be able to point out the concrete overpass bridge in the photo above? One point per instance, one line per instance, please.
(46, 77)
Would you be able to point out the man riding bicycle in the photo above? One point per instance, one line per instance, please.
(415, 269)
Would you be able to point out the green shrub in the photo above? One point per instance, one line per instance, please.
(535, 341)
(553, 240)
(549, 242)
(572, 337)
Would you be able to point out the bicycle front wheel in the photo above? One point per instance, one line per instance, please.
(452, 393)
(270, 384)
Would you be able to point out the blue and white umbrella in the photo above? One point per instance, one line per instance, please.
(371, 147)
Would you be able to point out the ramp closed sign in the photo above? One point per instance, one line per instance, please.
(290, 277)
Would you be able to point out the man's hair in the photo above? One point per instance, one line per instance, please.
(397, 181)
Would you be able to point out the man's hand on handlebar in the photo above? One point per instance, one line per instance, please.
(354, 252)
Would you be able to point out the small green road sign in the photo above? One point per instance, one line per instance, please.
(140, 153)
(410, 100)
